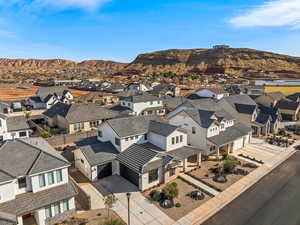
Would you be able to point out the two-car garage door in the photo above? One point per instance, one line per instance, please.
(129, 174)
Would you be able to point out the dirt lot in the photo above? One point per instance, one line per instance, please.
(206, 175)
(97, 217)
(17, 92)
(187, 203)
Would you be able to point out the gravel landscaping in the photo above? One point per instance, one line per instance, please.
(204, 174)
(187, 203)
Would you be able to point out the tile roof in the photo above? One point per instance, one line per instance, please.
(21, 157)
(99, 153)
(80, 112)
(28, 202)
(230, 134)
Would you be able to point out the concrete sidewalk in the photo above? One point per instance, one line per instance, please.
(199, 184)
(212, 206)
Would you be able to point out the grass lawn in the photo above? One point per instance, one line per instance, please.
(206, 175)
(187, 203)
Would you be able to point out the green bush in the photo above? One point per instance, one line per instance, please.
(45, 134)
(177, 205)
(171, 190)
(155, 195)
(114, 222)
(229, 165)
(225, 156)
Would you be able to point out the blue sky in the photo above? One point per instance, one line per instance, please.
(120, 29)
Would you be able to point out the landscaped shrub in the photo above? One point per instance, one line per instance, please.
(229, 165)
(177, 205)
(114, 222)
(45, 134)
(225, 156)
(171, 190)
(155, 195)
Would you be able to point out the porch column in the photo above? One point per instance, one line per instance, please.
(184, 165)
(199, 159)
(218, 152)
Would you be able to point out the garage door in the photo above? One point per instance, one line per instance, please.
(238, 144)
(104, 170)
(129, 174)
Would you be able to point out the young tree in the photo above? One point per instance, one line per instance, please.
(171, 190)
(109, 202)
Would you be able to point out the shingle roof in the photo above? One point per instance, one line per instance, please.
(80, 112)
(17, 123)
(184, 152)
(5, 176)
(45, 91)
(27, 156)
(289, 105)
(214, 90)
(263, 118)
(28, 202)
(162, 128)
(273, 112)
(129, 126)
(202, 117)
(230, 134)
(294, 97)
(36, 99)
(139, 158)
(99, 153)
(141, 97)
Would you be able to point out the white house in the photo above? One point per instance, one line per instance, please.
(210, 127)
(12, 127)
(143, 104)
(34, 183)
(49, 96)
(142, 149)
(214, 93)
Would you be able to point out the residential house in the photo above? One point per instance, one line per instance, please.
(77, 117)
(5, 108)
(142, 104)
(49, 96)
(102, 98)
(210, 127)
(34, 183)
(214, 93)
(294, 97)
(290, 110)
(12, 127)
(270, 99)
(165, 89)
(137, 86)
(142, 149)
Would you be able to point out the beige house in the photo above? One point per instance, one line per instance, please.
(77, 117)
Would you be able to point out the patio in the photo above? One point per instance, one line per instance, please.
(187, 203)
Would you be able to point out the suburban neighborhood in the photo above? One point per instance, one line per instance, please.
(169, 155)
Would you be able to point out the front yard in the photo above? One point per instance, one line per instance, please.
(206, 175)
(187, 204)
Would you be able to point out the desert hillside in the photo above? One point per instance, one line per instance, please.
(179, 61)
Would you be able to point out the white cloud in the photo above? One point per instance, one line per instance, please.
(271, 13)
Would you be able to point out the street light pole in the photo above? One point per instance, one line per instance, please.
(128, 199)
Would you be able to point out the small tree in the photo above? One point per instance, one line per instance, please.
(45, 134)
(171, 190)
(109, 202)
(229, 165)
(27, 115)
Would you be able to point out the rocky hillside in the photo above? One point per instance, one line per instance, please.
(231, 61)
(57, 66)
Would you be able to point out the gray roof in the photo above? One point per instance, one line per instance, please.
(241, 103)
(17, 123)
(28, 202)
(230, 134)
(141, 97)
(4, 177)
(36, 99)
(7, 219)
(45, 91)
(99, 153)
(184, 152)
(80, 112)
(162, 128)
(137, 157)
(28, 156)
(129, 126)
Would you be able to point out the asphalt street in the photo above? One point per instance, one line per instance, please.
(274, 200)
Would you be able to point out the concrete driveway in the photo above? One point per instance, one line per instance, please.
(142, 211)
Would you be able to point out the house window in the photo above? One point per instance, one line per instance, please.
(42, 181)
(59, 177)
(136, 137)
(177, 139)
(117, 141)
(48, 212)
(150, 112)
(57, 209)
(181, 138)
(22, 182)
(172, 172)
(153, 175)
(222, 126)
(66, 205)
(131, 138)
(23, 134)
(78, 126)
(151, 103)
(173, 140)
(126, 139)
(193, 130)
(94, 123)
(145, 136)
(82, 161)
(100, 134)
(50, 178)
